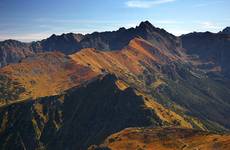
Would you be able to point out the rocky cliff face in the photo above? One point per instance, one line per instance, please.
(65, 43)
(119, 39)
(13, 51)
(211, 48)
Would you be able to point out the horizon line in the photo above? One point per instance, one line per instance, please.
(28, 38)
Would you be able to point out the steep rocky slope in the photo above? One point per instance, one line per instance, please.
(12, 51)
(211, 49)
(168, 78)
(164, 139)
(117, 40)
(80, 117)
(65, 43)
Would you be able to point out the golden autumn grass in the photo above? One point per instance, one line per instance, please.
(166, 139)
(167, 116)
(129, 59)
(47, 74)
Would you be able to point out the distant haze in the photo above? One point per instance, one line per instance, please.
(34, 20)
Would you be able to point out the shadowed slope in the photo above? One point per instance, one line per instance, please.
(80, 117)
(211, 48)
(12, 51)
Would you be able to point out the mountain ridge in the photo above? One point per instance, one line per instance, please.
(108, 40)
(61, 120)
(83, 90)
(161, 76)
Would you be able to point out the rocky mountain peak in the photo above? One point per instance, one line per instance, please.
(226, 30)
(11, 42)
(146, 25)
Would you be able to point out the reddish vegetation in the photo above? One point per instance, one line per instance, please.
(130, 59)
(128, 64)
(166, 139)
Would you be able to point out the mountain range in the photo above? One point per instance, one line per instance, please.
(136, 88)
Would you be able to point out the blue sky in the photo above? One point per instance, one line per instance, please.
(29, 20)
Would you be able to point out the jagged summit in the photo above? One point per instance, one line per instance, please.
(78, 37)
(122, 29)
(226, 30)
(146, 24)
(12, 42)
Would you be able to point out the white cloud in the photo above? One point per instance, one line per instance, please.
(178, 32)
(210, 25)
(146, 3)
(208, 3)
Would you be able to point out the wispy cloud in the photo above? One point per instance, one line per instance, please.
(168, 22)
(210, 25)
(25, 37)
(146, 3)
(208, 3)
